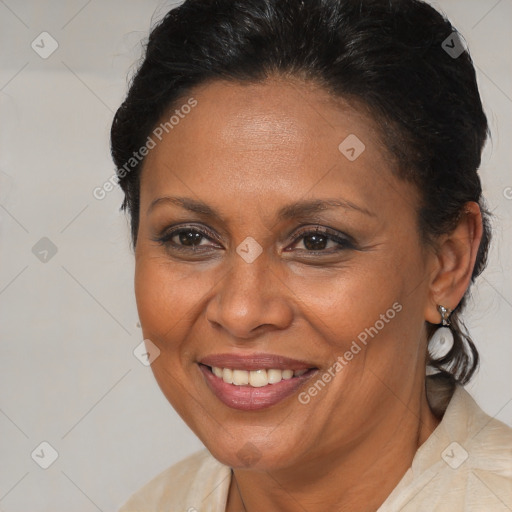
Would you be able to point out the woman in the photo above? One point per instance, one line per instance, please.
(307, 219)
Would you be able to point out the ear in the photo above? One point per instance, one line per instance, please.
(454, 261)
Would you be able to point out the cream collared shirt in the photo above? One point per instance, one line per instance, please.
(464, 466)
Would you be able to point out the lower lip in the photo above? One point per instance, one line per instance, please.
(248, 398)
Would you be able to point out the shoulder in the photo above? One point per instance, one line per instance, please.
(184, 486)
(489, 441)
(488, 448)
(464, 465)
(475, 470)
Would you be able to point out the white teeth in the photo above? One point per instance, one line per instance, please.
(287, 374)
(255, 378)
(240, 377)
(227, 375)
(258, 378)
(274, 376)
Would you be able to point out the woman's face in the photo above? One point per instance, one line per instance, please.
(296, 242)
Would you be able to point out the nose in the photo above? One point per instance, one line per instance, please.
(250, 300)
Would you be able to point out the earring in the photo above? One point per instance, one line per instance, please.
(441, 341)
(445, 314)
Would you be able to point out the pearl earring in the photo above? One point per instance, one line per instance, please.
(441, 341)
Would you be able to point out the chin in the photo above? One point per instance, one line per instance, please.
(244, 453)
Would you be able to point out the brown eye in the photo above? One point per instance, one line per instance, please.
(189, 237)
(322, 240)
(316, 242)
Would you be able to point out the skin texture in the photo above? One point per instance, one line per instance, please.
(247, 150)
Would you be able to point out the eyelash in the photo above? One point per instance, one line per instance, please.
(343, 242)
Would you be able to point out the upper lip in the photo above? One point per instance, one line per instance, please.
(260, 361)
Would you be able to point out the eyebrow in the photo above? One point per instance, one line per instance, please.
(294, 210)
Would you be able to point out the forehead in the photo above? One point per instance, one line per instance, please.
(275, 140)
(278, 115)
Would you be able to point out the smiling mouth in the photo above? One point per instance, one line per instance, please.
(257, 378)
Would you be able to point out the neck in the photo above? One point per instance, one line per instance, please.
(357, 480)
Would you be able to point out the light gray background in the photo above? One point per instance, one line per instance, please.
(68, 326)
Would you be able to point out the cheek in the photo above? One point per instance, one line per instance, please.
(367, 308)
(346, 301)
(166, 297)
(163, 295)
(152, 294)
